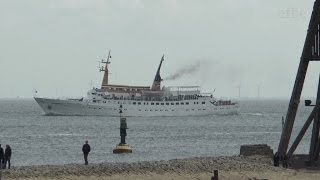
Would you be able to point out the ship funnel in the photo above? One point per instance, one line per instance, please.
(156, 86)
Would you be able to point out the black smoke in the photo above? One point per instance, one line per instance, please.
(187, 70)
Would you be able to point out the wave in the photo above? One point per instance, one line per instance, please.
(66, 134)
(253, 114)
(254, 132)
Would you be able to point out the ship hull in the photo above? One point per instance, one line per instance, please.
(60, 107)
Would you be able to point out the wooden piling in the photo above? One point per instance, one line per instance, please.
(215, 175)
(311, 52)
(0, 168)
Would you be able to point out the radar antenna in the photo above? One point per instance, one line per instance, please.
(108, 59)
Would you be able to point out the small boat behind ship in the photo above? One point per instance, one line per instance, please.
(139, 100)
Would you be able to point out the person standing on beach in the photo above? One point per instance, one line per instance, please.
(86, 150)
(1, 157)
(7, 156)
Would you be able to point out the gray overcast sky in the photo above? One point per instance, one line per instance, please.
(54, 45)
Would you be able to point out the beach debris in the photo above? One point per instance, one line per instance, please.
(256, 150)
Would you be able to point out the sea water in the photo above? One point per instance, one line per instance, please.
(37, 139)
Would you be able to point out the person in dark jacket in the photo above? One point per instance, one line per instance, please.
(7, 156)
(1, 157)
(86, 150)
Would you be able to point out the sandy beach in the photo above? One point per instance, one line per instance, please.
(234, 167)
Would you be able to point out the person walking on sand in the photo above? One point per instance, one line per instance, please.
(86, 150)
(7, 156)
(1, 157)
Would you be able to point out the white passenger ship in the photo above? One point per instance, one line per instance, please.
(139, 100)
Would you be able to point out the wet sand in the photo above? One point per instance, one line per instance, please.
(233, 167)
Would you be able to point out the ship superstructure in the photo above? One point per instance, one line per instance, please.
(139, 100)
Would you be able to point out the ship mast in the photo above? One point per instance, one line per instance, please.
(156, 86)
(106, 70)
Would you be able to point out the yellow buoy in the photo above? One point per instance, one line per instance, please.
(122, 148)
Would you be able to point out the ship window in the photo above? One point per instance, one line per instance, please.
(194, 102)
(134, 103)
(177, 103)
(172, 110)
(94, 101)
(104, 101)
(204, 109)
(172, 103)
(187, 109)
(166, 110)
(199, 109)
(167, 103)
(160, 109)
(139, 109)
(197, 102)
(155, 110)
(187, 103)
(152, 103)
(162, 103)
(182, 103)
(203, 102)
(139, 103)
(157, 103)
